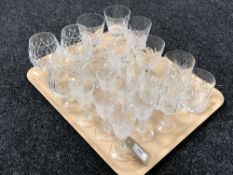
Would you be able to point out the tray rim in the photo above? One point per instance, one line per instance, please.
(81, 131)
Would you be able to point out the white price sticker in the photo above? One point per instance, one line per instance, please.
(139, 152)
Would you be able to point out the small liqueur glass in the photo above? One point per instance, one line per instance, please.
(174, 86)
(82, 87)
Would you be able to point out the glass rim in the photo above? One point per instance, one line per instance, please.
(64, 28)
(198, 69)
(142, 17)
(30, 45)
(119, 6)
(191, 58)
(40, 33)
(158, 37)
(85, 14)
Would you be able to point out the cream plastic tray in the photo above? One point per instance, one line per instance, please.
(161, 145)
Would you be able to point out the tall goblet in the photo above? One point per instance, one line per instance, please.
(143, 103)
(105, 99)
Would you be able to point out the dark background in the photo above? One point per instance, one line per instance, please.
(35, 139)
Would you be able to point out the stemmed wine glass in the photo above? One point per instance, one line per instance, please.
(122, 122)
(82, 86)
(105, 99)
(148, 58)
(143, 103)
(175, 82)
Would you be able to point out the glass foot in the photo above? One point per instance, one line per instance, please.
(120, 151)
(143, 135)
(104, 133)
(166, 126)
(69, 103)
(87, 120)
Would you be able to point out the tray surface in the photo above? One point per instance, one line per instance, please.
(159, 147)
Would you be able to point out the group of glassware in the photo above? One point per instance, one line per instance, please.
(117, 77)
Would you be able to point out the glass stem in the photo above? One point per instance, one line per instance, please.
(106, 126)
(142, 126)
(122, 144)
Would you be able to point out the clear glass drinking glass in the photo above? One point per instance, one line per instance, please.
(117, 19)
(199, 91)
(122, 122)
(72, 45)
(107, 77)
(139, 28)
(105, 99)
(58, 81)
(82, 87)
(143, 104)
(149, 58)
(175, 83)
(91, 27)
(104, 102)
(44, 50)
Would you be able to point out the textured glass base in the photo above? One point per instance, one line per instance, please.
(120, 151)
(166, 125)
(143, 132)
(87, 120)
(104, 132)
(69, 102)
(143, 136)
